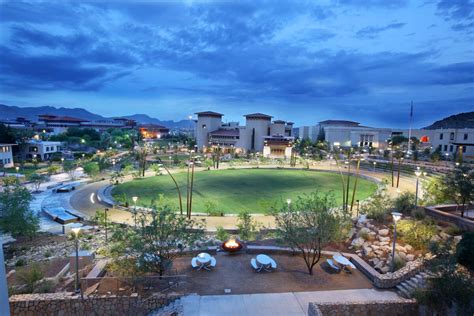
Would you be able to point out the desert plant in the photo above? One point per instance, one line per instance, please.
(379, 205)
(416, 233)
(221, 233)
(29, 277)
(211, 208)
(405, 202)
(418, 213)
(247, 226)
(453, 230)
(20, 263)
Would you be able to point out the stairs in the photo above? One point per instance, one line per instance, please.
(175, 308)
(408, 287)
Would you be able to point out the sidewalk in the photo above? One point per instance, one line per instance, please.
(273, 304)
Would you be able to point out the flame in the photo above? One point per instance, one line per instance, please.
(231, 243)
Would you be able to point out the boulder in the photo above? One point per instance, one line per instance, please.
(384, 238)
(410, 257)
(402, 255)
(372, 235)
(383, 232)
(367, 251)
(385, 269)
(408, 248)
(358, 242)
(379, 264)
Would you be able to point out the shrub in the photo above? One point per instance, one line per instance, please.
(20, 263)
(364, 235)
(465, 251)
(404, 202)
(416, 233)
(399, 263)
(247, 226)
(30, 277)
(47, 254)
(379, 205)
(453, 230)
(45, 286)
(221, 233)
(211, 208)
(418, 213)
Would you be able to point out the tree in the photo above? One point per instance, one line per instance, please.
(378, 205)
(161, 236)
(450, 285)
(310, 222)
(70, 166)
(16, 217)
(459, 186)
(465, 251)
(117, 177)
(53, 169)
(37, 179)
(91, 169)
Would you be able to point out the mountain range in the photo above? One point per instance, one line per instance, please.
(8, 112)
(461, 120)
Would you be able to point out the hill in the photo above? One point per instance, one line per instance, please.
(461, 120)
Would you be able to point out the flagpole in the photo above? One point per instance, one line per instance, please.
(409, 128)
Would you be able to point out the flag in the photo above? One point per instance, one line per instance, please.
(411, 109)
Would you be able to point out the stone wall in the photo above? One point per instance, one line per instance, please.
(385, 308)
(443, 213)
(67, 303)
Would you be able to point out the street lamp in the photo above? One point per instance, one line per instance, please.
(396, 217)
(135, 198)
(17, 169)
(417, 174)
(375, 162)
(288, 201)
(76, 231)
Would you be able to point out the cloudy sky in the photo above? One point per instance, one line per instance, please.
(362, 60)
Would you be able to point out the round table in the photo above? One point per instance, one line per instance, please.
(204, 257)
(343, 260)
(264, 260)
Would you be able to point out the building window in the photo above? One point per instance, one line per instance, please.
(445, 147)
(451, 148)
(465, 136)
(464, 149)
(441, 136)
(204, 126)
(451, 136)
(440, 147)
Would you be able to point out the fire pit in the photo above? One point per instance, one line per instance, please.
(232, 245)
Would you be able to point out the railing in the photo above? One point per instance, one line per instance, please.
(144, 286)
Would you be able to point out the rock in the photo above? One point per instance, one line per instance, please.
(358, 242)
(402, 255)
(444, 236)
(435, 238)
(410, 257)
(384, 243)
(387, 239)
(364, 230)
(457, 239)
(383, 232)
(351, 233)
(367, 251)
(379, 264)
(385, 269)
(408, 248)
(375, 261)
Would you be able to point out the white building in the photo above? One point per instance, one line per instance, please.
(259, 132)
(41, 150)
(346, 134)
(6, 157)
(454, 141)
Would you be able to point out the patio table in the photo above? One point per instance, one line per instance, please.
(203, 259)
(343, 260)
(264, 261)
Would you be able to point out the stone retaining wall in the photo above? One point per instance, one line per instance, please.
(67, 303)
(376, 308)
(443, 213)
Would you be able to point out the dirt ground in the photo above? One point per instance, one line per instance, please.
(234, 272)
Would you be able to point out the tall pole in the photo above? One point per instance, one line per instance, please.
(398, 172)
(342, 181)
(416, 193)
(77, 264)
(105, 211)
(177, 186)
(191, 189)
(348, 182)
(355, 184)
(391, 165)
(4, 301)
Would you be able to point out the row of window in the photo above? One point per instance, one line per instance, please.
(451, 136)
(5, 149)
(451, 148)
(5, 161)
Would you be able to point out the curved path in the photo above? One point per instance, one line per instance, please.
(85, 200)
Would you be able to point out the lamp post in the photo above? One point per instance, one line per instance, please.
(396, 217)
(105, 222)
(76, 231)
(288, 201)
(17, 169)
(417, 174)
(135, 198)
(375, 163)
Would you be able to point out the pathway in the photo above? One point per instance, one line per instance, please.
(274, 304)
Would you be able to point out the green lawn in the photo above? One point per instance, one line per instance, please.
(242, 189)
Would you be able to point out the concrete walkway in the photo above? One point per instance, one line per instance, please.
(274, 304)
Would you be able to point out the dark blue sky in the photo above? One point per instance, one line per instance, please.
(362, 60)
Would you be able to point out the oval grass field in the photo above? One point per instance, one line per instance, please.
(235, 190)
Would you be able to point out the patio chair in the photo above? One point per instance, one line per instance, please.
(333, 265)
(213, 262)
(273, 264)
(253, 263)
(194, 263)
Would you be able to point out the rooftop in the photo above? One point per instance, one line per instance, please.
(54, 118)
(339, 123)
(208, 113)
(258, 115)
(225, 132)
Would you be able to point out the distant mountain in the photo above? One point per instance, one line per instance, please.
(461, 120)
(8, 112)
(31, 113)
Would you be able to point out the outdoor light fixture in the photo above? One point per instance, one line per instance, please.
(135, 198)
(396, 217)
(418, 173)
(76, 231)
(288, 201)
